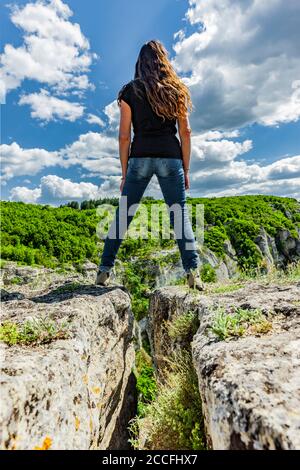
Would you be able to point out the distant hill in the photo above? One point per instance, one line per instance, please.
(51, 236)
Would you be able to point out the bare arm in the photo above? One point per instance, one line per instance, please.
(124, 135)
(184, 130)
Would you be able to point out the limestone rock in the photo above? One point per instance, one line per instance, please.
(250, 386)
(70, 393)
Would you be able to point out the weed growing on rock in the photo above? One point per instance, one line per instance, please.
(32, 332)
(226, 288)
(240, 322)
(184, 327)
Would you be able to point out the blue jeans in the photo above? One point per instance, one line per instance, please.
(170, 175)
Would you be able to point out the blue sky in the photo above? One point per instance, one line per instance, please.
(62, 71)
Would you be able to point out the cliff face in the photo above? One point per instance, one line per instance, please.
(71, 393)
(249, 383)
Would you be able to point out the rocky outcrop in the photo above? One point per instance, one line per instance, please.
(73, 393)
(160, 269)
(279, 250)
(249, 385)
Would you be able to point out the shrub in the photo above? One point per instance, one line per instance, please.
(173, 421)
(214, 238)
(145, 380)
(208, 273)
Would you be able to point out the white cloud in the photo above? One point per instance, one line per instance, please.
(54, 187)
(48, 108)
(93, 119)
(242, 63)
(54, 50)
(95, 152)
(216, 168)
(288, 167)
(285, 187)
(239, 177)
(21, 193)
(16, 161)
(215, 153)
(112, 111)
(55, 190)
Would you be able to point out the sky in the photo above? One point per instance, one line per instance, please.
(62, 64)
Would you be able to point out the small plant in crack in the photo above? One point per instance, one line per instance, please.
(33, 332)
(239, 323)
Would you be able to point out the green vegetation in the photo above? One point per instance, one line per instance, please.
(49, 236)
(214, 238)
(239, 219)
(145, 380)
(290, 273)
(133, 278)
(208, 274)
(184, 327)
(32, 332)
(229, 325)
(58, 237)
(16, 280)
(173, 420)
(43, 235)
(226, 288)
(170, 415)
(69, 287)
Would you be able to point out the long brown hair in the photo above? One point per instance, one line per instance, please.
(168, 96)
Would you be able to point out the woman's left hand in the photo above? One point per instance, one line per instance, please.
(187, 180)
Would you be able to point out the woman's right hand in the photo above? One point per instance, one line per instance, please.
(122, 183)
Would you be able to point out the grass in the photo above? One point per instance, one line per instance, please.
(290, 273)
(32, 332)
(16, 280)
(274, 275)
(181, 281)
(184, 327)
(226, 288)
(145, 380)
(173, 421)
(242, 321)
(69, 287)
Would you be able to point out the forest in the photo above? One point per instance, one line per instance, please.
(51, 236)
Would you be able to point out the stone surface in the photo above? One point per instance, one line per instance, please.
(166, 304)
(70, 393)
(250, 386)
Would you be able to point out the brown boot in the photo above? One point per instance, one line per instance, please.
(194, 279)
(102, 278)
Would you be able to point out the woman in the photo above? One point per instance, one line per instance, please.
(152, 102)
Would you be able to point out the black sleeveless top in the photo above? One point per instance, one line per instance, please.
(153, 137)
